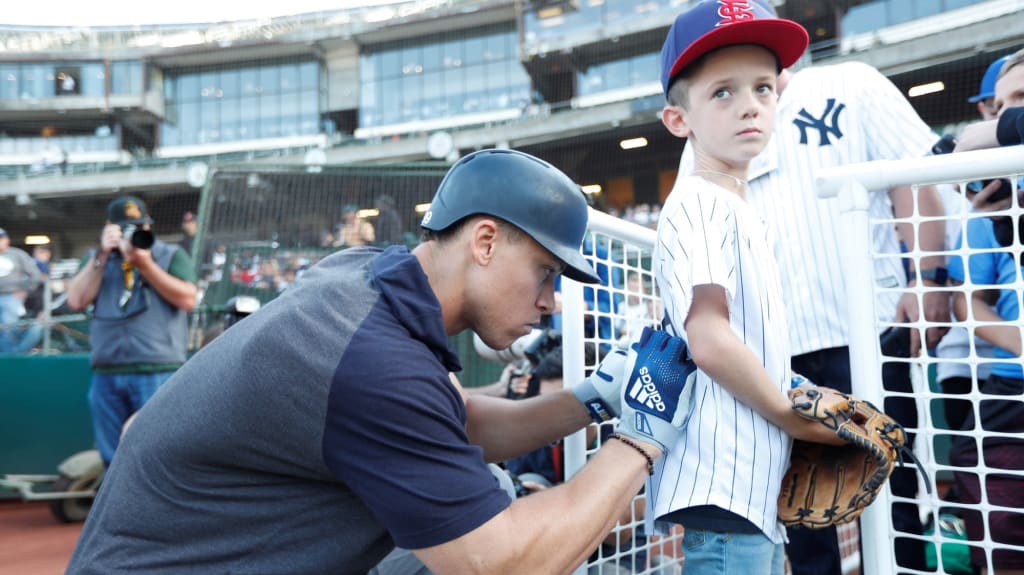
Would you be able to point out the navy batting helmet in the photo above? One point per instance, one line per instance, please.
(523, 190)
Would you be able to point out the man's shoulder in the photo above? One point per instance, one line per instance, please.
(840, 70)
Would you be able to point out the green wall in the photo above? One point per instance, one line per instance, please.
(44, 413)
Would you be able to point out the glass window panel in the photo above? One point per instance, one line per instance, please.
(208, 85)
(390, 94)
(646, 68)
(616, 75)
(36, 82)
(189, 88)
(899, 12)
(368, 95)
(474, 50)
(249, 110)
(170, 88)
(210, 121)
(289, 105)
(228, 130)
(451, 54)
(368, 65)
(270, 127)
(590, 82)
(522, 79)
(410, 95)
(93, 79)
(189, 122)
(250, 81)
(9, 82)
(412, 60)
(432, 85)
(230, 110)
(247, 131)
(169, 135)
(309, 103)
(927, 8)
(453, 81)
(496, 47)
(309, 75)
(270, 106)
(230, 84)
(289, 78)
(475, 90)
(126, 77)
(310, 124)
(864, 18)
(270, 80)
(432, 57)
(390, 64)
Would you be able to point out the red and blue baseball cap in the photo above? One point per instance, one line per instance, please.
(714, 24)
(988, 82)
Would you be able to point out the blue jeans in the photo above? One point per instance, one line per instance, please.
(15, 339)
(112, 400)
(716, 553)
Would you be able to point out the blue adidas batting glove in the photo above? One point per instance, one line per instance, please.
(656, 399)
(601, 391)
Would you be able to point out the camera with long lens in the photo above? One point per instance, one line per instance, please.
(138, 238)
(527, 352)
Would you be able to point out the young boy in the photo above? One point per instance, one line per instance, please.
(721, 292)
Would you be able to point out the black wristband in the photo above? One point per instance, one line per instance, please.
(636, 446)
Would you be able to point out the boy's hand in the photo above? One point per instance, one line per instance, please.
(657, 395)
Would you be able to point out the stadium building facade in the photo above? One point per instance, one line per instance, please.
(89, 113)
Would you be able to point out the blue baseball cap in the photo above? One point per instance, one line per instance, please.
(988, 81)
(714, 24)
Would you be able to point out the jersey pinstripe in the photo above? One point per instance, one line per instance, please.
(728, 456)
(829, 116)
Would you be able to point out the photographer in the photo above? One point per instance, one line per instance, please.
(141, 290)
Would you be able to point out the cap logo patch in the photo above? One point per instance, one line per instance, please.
(131, 210)
(733, 11)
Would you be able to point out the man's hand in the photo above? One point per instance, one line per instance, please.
(110, 238)
(936, 309)
(601, 392)
(658, 391)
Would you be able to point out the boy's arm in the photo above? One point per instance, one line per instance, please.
(727, 360)
(1005, 334)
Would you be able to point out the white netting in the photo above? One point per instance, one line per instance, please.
(594, 319)
(985, 488)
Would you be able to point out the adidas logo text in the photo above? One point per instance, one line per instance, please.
(644, 391)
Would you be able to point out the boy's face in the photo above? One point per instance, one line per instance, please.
(731, 106)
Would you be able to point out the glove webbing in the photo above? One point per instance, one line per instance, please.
(886, 433)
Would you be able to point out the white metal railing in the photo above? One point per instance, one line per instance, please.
(852, 186)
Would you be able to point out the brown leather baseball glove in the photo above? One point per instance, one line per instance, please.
(830, 485)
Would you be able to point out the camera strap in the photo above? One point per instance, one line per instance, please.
(129, 282)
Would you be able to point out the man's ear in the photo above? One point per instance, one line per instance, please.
(484, 239)
(674, 119)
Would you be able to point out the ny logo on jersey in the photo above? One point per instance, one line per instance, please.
(732, 11)
(827, 124)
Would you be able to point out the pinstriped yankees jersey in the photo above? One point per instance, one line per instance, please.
(728, 456)
(829, 116)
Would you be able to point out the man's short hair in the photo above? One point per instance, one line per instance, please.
(1015, 59)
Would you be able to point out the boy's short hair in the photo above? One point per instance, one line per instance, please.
(714, 24)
